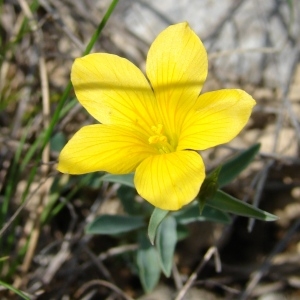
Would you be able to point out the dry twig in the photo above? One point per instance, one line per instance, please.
(212, 251)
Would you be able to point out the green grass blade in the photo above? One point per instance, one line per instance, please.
(45, 136)
(16, 291)
(66, 93)
(100, 27)
(13, 177)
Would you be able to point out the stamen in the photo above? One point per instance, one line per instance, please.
(159, 140)
(154, 139)
(162, 139)
(157, 129)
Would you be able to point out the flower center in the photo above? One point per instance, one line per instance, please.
(159, 140)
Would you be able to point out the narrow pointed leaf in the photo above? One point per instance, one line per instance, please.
(192, 214)
(232, 168)
(227, 203)
(114, 224)
(157, 216)
(126, 179)
(148, 264)
(166, 240)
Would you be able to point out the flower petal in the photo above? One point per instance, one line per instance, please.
(113, 90)
(103, 148)
(177, 68)
(169, 181)
(216, 119)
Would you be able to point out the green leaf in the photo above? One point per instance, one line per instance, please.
(192, 214)
(232, 168)
(148, 264)
(114, 224)
(225, 202)
(166, 240)
(126, 179)
(157, 216)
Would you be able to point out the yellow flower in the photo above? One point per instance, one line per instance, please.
(151, 126)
